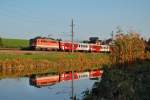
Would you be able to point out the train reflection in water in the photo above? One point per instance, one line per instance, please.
(43, 80)
(49, 79)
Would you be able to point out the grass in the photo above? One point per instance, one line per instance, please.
(15, 43)
(29, 63)
(51, 56)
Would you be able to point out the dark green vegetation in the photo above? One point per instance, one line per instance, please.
(1, 42)
(128, 78)
(123, 84)
(148, 45)
(14, 43)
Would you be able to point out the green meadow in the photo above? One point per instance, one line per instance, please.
(14, 43)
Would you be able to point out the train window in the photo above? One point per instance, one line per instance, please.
(45, 41)
(42, 40)
(83, 46)
(52, 41)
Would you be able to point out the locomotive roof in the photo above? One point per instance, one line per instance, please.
(44, 38)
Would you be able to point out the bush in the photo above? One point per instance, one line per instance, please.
(128, 48)
(120, 84)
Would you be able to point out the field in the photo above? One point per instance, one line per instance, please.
(20, 63)
(15, 43)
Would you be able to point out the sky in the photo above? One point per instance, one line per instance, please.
(27, 19)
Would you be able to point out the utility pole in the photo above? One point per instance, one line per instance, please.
(72, 85)
(72, 25)
(112, 35)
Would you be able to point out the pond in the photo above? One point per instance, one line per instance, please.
(22, 89)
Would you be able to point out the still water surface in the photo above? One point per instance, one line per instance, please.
(20, 89)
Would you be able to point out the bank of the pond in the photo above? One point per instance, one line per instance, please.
(26, 63)
(132, 83)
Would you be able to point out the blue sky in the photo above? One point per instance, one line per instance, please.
(30, 18)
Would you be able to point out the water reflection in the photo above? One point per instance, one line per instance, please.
(26, 88)
(41, 80)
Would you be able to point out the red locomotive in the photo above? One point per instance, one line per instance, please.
(40, 43)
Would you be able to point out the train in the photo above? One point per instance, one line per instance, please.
(41, 43)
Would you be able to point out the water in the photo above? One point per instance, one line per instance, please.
(20, 89)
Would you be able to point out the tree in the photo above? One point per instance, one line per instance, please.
(148, 42)
(147, 45)
(1, 43)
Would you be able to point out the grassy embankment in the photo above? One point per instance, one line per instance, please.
(14, 43)
(13, 64)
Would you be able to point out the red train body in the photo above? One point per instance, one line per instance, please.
(67, 46)
(95, 48)
(49, 44)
